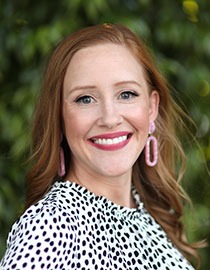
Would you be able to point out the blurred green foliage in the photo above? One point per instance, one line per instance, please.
(178, 33)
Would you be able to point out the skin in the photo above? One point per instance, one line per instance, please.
(105, 94)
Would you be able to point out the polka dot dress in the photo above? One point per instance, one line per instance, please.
(71, 228)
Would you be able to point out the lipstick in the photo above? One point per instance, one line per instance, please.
(111, 141)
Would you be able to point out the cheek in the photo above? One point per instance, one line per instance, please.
(140, 118)
(76, 126)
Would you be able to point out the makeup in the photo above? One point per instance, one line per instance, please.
(111, 141)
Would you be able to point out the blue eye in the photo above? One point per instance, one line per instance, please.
(84, 100)
(128, 95)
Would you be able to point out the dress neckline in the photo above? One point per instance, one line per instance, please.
(105, 205)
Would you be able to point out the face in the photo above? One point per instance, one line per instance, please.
(107, 108)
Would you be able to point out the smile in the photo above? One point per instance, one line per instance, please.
(112, 141)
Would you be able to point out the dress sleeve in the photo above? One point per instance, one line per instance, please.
(40, 239)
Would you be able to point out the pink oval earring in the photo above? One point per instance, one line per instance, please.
(151, 155)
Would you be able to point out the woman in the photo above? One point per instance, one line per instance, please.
(100, 195)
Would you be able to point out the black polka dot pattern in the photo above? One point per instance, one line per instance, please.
(71, 228)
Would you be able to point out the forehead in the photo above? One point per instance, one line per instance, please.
(104, 49)
(102, 58)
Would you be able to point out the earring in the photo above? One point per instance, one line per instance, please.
(62, 169)
(151, 141)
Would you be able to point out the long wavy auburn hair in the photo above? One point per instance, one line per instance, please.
(159, 186)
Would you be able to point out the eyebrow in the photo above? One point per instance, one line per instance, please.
(128, 82)
(81, 87)
(88, 87)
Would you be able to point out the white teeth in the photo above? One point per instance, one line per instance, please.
(110, 141)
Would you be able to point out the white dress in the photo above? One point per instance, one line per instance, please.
(72, 228)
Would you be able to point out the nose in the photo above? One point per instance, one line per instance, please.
(110, 115)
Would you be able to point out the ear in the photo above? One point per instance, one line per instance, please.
(154, 105)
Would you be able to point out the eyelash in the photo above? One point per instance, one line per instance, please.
(82, 98)
(131, 94)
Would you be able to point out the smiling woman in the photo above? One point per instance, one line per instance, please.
(100, 195)
(104, 106)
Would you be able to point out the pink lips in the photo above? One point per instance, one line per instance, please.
(111, 141)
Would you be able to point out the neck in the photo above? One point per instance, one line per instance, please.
(116, 189)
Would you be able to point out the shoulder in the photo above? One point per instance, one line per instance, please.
(47, 212)
(39, 231)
